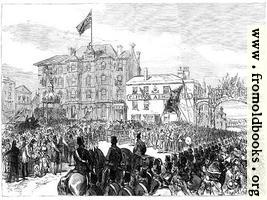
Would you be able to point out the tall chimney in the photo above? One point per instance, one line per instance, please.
(180, 72)
(72, 51)
(145, 74)
(186, 73)
(119, 49)
(132, 45)
(138, 56)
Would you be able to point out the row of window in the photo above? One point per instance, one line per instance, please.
(23, 99)
(145, 89)
(73, 94)
(87, 67)
(103, 80)
(103, 94)
(135, 105)
(87, 111)
(72, 81)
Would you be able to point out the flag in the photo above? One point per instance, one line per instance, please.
(173, 101)
(85, 24)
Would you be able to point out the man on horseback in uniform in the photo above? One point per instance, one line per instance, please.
(83, 160)
(69, 184)
(114, 157)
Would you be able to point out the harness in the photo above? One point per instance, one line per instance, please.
(114, 188)
(128, 191)
(79, 158)
(144, 187)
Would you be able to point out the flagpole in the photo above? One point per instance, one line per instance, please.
(91, 29)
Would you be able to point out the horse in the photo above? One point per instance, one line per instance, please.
(144, 180)
(112, 189)
(75, 182)
(214, 178)
(141, 188)
(127, 158)
(100, 160)
(94, 189)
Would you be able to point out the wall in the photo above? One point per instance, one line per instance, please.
(156, 107)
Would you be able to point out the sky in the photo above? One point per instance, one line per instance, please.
(210, 38)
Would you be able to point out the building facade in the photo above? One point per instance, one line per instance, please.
(90, 81)
(23, 98)
(7, 98)
(146, 97)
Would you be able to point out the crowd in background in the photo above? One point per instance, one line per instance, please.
(45, 149)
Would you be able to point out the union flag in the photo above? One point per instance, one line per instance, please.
(85, 24)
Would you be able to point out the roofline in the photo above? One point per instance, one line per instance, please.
(39, 63)
(23, 86)
(7, 79)
(160, 82)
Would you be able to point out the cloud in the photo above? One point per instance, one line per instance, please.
(198, 24)
(43, 37)
(222, 56)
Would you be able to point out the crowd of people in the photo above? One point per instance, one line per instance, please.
(44, 149)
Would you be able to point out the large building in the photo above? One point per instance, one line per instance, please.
(147, 96)
(7, 98)
(90, 81)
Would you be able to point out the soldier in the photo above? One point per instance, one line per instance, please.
(140, 146)
(83, 160)
(114, 157)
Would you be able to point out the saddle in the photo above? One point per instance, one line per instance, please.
(63, 188)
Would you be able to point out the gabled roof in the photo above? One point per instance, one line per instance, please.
(125, 54)
(155, 79)
(7, 79)
(23, 87)
(53, 60)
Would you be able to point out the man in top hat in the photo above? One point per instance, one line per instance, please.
(13, 154)
(140, 146)
(114, 157)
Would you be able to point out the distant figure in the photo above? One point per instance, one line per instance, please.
(25, 159)
(140, 146)
(71, 145)
(13, 154)
(54, 155)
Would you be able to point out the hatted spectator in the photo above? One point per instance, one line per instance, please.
(13, 154)
(25, 159)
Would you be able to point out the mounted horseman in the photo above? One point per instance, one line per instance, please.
(113, 173)
(138, 152)
(77, 180)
